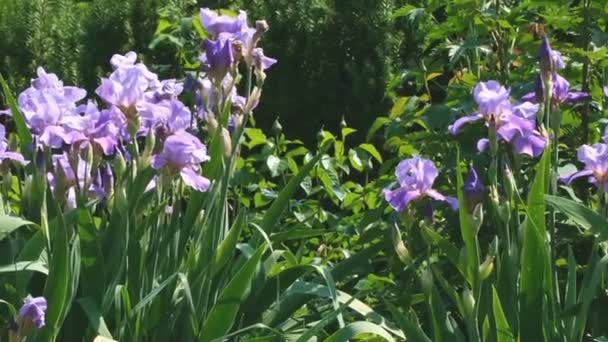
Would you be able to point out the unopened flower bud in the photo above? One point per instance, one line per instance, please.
(261, 26)
(119, 163)
(343, 123)
(473, 189)
(212, 124)
(486, 268)
(547, 65)
(427, 280)
(237, 50)
(226, 143)
(276, 126)
(469, 302)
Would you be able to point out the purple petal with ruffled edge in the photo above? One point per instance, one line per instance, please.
(529, 97)
(194, 180)
(489, 96)
(514, 126)
(400, 198)
(34, 309)
(434, 194)
(532, 145)
(457, 125)
(576, 96)
(568, 179)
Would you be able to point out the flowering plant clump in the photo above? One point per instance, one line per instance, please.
(154, 209)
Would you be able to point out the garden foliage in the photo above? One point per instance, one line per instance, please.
(156, 208)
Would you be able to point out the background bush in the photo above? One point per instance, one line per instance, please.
(335, 56)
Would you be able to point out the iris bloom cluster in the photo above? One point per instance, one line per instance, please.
(231, 41)
(514, 123)
(133, 103)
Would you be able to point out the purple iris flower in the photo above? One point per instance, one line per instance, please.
(217, 58)
(215, 24)
(561, 93)
(94, 127)
(34, 309)
(119, 61)
(595, 159)
(167, 90)
(472, 183)
(606, 91)
(46, 105)
(260, 61)
(127, 86)
(8, 155)
(183, 153)
(168, 116)
(83, 178)
(513, 124)
(416, 177)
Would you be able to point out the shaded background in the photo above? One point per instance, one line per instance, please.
(335, 56)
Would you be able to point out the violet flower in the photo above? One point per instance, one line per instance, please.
(128, 85)
(183, 153)
(217, 59)
(513, 124)
(561, 92)
(46, 105)
(473, 189)
(64, 179)
(260, 61)
(168, 116)
(34, 309)
(595, 159)
(94, 127)
(214, 24)
(416, 177)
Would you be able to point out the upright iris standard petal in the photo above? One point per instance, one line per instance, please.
(215, 24)
(415, 177)
(217, 58)
(34, 309)
(490, 96)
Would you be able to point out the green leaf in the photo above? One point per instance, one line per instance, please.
(25, 136)
(95, 319)
(468, 230)
(581, 215)
(535, 261)
(58, 282)
(344, 298)
(227, 247)
(358, 328)
(222, 315)
(32, 266)
(355, 161)
(276, 209)
(380, 122)
(372, 150)
(503, 331)
(9, 224)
